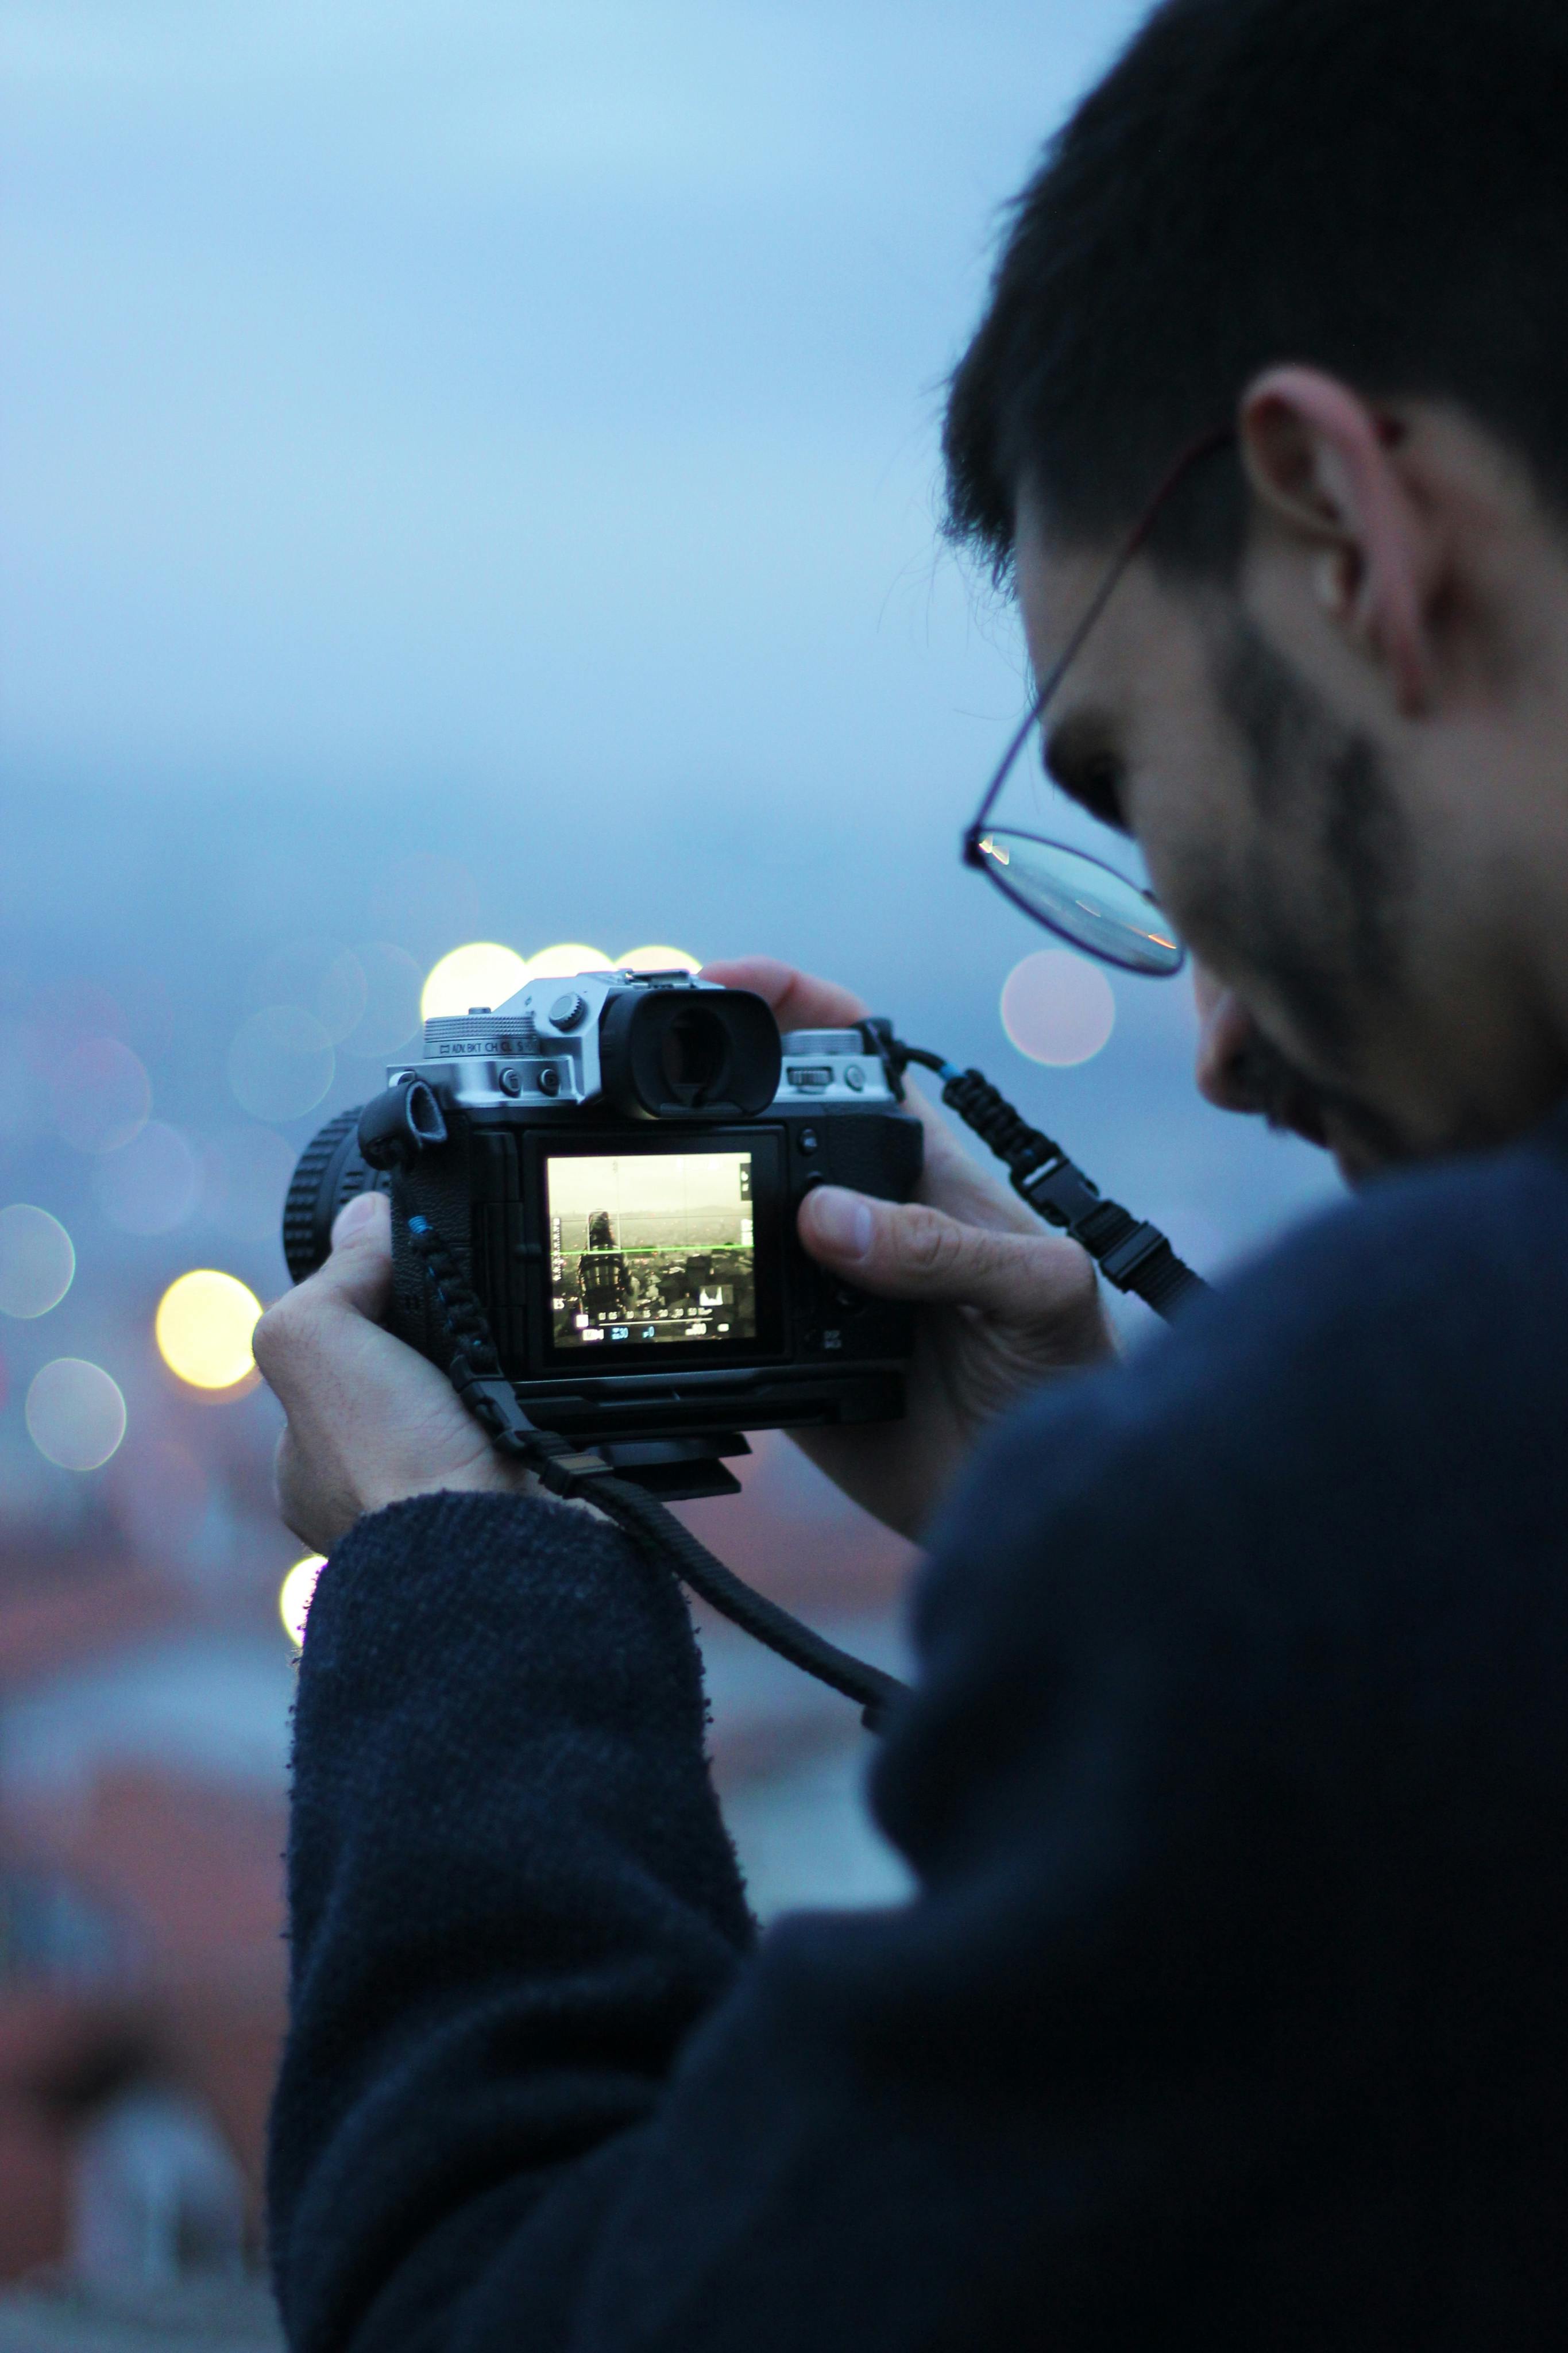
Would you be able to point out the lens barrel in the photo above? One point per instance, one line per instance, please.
(331, 1171)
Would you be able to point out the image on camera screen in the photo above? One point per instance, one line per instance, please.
(651, 1247)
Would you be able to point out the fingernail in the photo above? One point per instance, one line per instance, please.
(841, 1220)
(353, 1216)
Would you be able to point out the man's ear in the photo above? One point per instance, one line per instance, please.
(1326, 466)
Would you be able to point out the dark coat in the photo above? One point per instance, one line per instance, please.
(1231, 2010)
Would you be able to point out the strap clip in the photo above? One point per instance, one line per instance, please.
(493, 1399)
(1060, 1193)
(1122, 1264)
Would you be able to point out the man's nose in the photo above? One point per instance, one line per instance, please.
(1227, 1046)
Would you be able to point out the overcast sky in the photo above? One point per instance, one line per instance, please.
(498, 443)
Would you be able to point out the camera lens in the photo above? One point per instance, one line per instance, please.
(332, 1171)
(695, 1054)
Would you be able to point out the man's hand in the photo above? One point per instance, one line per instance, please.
(369, 1421)
(1005, 1304)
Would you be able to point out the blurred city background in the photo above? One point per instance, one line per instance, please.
(470, 477)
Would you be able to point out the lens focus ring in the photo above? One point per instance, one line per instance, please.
(307, 1238)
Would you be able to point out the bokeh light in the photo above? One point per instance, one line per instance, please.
(37, 1260)
(296, 1594)
(482, 973)
(150, 1187)
(1058, 1008)
(203, 1328)
(75, 1414)
(281, 1062)
(390, 1015)
(656, 959)
(102, 1095)
(566, 957)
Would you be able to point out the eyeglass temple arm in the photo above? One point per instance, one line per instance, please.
(1204, 447)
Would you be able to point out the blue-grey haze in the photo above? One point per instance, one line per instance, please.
(506, 434)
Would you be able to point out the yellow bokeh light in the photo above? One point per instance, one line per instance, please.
(296, 1593)
(203, 1328)
(482, 973)
(567, 957)
(656, 959)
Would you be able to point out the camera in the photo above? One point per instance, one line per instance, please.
(614, 1162)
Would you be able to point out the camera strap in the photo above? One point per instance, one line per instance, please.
(579, 1475)
(1134, 1256)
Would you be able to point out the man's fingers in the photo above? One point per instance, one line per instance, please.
(359, 1273)
(799, 1000)
(355, 1279)
(908, 1251)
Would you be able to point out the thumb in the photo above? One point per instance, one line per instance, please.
(358, 1274)
(909, 1251)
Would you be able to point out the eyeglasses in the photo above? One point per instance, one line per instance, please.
(1079, 897)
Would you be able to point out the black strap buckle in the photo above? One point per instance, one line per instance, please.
(1123, 1263)
(492, 1401)
(1060, 1193)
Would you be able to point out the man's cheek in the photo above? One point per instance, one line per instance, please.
(1193, 845)
(1207, 989)
(1196, 883)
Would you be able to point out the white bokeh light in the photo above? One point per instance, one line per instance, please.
(296, 1594)
(566, 957)
(37, 1261)
(1058, 1008)
(656, 959)
(75, 1414)
(482, 973)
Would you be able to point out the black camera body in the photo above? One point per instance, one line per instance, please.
(614, 1161)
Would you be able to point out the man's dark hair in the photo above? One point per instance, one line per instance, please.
(1376, 187)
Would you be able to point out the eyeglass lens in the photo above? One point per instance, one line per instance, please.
(1086, 901)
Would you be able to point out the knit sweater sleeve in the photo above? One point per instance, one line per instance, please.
(1228, 2011)
(511, 1894)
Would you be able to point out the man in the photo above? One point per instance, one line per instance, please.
(1229, 2009)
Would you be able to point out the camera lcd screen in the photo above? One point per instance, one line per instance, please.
(649, 1248)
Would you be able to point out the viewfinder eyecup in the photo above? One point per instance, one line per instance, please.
(674, 1054)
